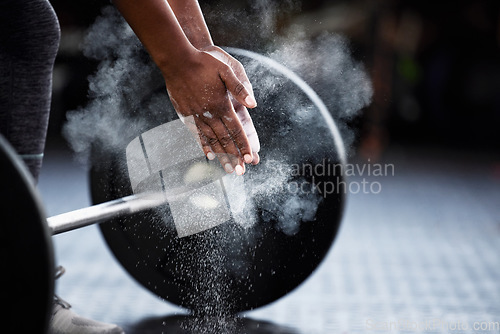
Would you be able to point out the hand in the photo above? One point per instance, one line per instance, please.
(249, 128)
(201, 87)
(240, 109)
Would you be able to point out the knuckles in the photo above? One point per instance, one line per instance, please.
(225, 140)
(239, 88)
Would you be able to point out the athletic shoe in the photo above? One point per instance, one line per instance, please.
(65, 321)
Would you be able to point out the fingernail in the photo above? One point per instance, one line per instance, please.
(250, 101)
(239, 170)
(228, 168)
(210, 156)
(248, 158)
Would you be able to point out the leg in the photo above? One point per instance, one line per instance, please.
(29, 39)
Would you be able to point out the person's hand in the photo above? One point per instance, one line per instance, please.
(249, 128)
(240, 109)
(201, 87)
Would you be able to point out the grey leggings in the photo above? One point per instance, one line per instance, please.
(29, 39)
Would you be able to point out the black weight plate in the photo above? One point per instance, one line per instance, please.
(27, 257)
(230, 268)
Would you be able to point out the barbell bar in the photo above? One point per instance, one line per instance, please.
(100, 212)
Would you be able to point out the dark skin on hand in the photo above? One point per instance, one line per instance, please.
(209, 89)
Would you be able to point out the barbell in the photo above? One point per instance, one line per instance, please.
(259, 247)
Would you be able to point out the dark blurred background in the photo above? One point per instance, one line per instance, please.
(435, 66)
(426, 247)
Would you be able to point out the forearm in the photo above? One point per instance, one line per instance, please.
(190, 17)
(158, 29)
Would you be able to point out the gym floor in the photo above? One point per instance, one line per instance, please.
(418, 252)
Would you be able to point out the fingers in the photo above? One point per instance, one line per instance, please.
(219, 140)
(248, 126)
(221, 134)
(235, 65)
(225, 148)
(205, 145)
(238, 88)
(240, 73)
(237, 133)
(256, 158)
(212, 147)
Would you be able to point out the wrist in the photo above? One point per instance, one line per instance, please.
(174, 61)
(200, 41)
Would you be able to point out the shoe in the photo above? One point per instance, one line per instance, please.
(65, 321)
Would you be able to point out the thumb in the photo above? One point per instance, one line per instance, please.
(238, 89)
